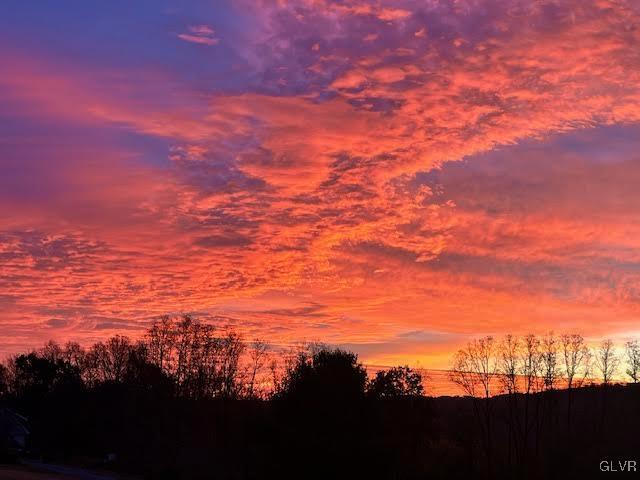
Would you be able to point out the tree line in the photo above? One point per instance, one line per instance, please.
(189, 358)
(525, 371)
(190, 401)
(536, 363)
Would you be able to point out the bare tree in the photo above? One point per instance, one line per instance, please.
(191, 355)
(549, 360)
(509, 363)
(200, 363)
(474, 370)
(576, 359)
(74, 354)
(112, 358)
(184, 334)
(607, 361)
(161, 342)
(531, 364)
(207, 362)
(257, 357)
(531, 368)
(509, 368)
(90, 370)
(632, 350)
(232, 348)
(550, 373)
(607, 364)
(276, 373)
(475, 367)
(52, 351)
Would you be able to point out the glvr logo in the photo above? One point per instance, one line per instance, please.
(618, 466)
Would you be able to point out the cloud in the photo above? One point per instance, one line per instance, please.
(202, 34)
(57, 323)
(223, 241)
(355, 171)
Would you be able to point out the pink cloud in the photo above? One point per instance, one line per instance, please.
(202, 34)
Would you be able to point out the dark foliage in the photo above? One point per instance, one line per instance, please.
(326, 376)
(396, 382)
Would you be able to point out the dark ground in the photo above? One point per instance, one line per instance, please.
(162, 437)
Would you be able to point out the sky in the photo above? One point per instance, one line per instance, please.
(390, 176)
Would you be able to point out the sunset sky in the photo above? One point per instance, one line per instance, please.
(394, 177)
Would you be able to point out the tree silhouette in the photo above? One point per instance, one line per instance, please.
(4, 380)
(201, 363)
(231, 350)
(509, 369)
(327, 374)
(475, 369)
(531, 370)
(606, 361)
(576, 365)
(396, 382)
(549, 360)
(632, 350)
(508, 363)
(258, 351)
(161, 342)
(113, 358)
(35, 375)
(323, 402)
